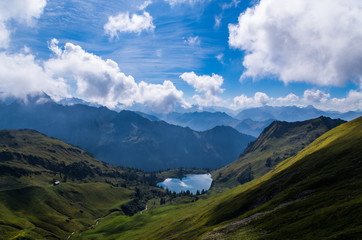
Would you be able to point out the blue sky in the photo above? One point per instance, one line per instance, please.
(274, 50)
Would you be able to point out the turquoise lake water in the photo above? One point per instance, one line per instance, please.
(191, 182)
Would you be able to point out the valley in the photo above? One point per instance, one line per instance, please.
(314, 193)
(95, 199)
(180, 120)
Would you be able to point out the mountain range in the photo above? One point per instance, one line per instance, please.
(126, 138)
(201, 121)
(250, 121)
(292, 113)
(53, 190)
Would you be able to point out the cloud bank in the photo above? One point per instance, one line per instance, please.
(318, 42)
(21, 74)
(74, 72)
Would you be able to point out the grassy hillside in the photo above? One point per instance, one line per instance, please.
(276, 143)
(32, 207)
(315, 194)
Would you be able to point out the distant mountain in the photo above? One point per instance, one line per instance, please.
(251, 127)
(148, 116)
(201, 121)
(291, 113)
(126, 138)
(279, 141)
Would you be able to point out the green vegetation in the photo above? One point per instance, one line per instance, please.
(32, 206)
(315, 194)
(276, 143)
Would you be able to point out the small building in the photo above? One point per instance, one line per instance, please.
(56, 183)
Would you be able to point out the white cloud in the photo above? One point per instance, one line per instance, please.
(97, 80)
(144, 5)
(101, 81)
(289, 99)
(4, 36)
(209, 86)
(218, 19)
(20, 11)
(193, 41)
(204, 83)
(175, 2)
(21, 75)
(315, 96)
(242, 101)
(233, 3)
(53, 46)
(220, 58)
(123, 22)
(352, 102)
(301, 41)
(161, 98)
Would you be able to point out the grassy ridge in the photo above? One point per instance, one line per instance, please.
(315, 194)
(53, 212)
(279, 141)
(31, 207)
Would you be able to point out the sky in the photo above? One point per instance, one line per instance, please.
(165, 54)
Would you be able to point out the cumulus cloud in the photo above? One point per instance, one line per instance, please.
(193, 41)
(97, 80)
(301, 41)
(242, 101)
(161, 98)
(123, 22)
(315, 96)
(209, 86)
(21, 75)
(352, 102)
(23, 11)
(100, 81)
(289, 99)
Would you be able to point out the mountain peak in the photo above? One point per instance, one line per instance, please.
(279, 129)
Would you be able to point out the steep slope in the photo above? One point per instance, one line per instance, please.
(315, 194)
(124, 138)
(33, 207)
(277, 142)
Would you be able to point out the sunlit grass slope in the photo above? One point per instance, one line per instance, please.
(316, 194)
(31, 207)
(279, 141)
